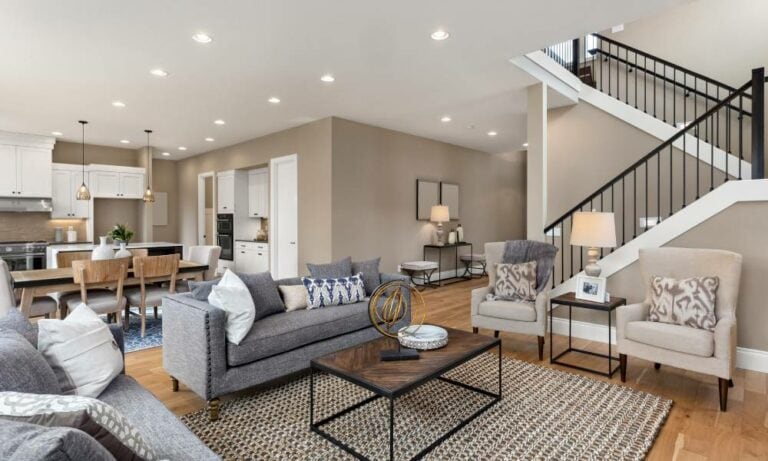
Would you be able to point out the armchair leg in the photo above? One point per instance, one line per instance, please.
(657, 365)
(475, 330)
(496, 333)
(213, 409)
(541, 348)
(623, 367)
(723, 384)
(174, 384)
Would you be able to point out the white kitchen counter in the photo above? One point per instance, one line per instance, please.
(53, 250)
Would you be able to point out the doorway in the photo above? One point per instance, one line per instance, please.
(206, 210)
(284, 216)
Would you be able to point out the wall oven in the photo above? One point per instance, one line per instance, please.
(225, 237)
(23, 256)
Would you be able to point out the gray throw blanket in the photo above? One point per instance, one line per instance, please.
(520, 251)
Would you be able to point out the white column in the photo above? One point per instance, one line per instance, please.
(536, 162)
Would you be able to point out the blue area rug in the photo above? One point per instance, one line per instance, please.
(154, 336)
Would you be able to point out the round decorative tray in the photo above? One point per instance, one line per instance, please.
(422, 337)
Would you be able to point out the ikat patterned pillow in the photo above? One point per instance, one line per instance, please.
(689, 302)
(516, 282)
(334, 291)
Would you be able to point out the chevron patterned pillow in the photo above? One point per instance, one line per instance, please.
(334, 291)
(516, 282)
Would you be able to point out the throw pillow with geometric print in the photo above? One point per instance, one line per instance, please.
(689, 302)
(516, 282)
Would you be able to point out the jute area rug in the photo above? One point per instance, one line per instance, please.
(544, 414)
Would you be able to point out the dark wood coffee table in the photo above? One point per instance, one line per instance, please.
(361, 365)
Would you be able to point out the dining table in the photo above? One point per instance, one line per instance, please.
(42, 282)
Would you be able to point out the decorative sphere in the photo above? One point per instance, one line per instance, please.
(391, 303)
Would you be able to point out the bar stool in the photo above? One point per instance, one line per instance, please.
(422, 271)
(474, 263)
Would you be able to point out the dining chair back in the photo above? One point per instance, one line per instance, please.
(149, 270)
(100, 274)
(206, 254)
(65, 258)
(8, 300)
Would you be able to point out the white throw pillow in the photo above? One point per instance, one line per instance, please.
(233, 297)
(294, 297)
(82, 352)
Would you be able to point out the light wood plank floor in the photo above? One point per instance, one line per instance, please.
(695, 429)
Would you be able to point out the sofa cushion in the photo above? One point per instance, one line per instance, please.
(233, 297)
(334, 292)
(689, 302)
(23, 368)
(516, 282)
(23, 441)
(370, 271)
(201, 290)
(168, 437)
(336, 269)
(15, 320)
(677, 338)
(290, 330)
(264, 292)
(508, 310)
(294, 296)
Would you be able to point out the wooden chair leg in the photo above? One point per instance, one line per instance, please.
(723, 384)
(541, 348)
(475, 330)
(730, 383)
(155, 307)
(213, 409)
(127, 318)
(496, 333)
(623, 367)
(143, 313)
(174, 384)
(657, 365)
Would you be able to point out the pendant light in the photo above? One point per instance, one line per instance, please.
(149, 196)
(82, 192)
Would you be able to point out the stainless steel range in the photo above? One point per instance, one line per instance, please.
(22, 256)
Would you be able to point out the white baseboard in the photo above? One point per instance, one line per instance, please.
(746, 359)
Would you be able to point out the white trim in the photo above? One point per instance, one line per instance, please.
(115, 168)
(746, 359)
(27, 140)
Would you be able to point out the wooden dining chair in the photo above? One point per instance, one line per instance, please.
(41, 306)
(95, 279)
(150, 270)
(64, 259)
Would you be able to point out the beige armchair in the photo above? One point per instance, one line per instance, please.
(701, 351)
(514, 317)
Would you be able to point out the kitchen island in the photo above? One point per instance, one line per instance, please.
(154, 249)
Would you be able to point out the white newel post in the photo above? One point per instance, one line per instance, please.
(536, 162)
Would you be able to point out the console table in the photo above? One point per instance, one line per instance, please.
(448, 246)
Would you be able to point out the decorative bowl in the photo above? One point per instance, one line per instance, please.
(422, 337)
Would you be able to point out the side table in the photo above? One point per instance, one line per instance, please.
(448, 246)
(569, 300)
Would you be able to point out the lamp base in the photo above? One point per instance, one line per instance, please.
(440, 240)
(592, 269)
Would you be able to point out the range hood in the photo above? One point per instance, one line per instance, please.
(25, 205)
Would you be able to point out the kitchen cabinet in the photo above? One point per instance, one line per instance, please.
(251, 257)
(107, 181)
(66, 180)
(232, 192)
(25, 172)
(258, 193)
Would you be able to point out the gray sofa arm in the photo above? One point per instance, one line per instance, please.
(117, 333)
(194, 343)
(392, 277)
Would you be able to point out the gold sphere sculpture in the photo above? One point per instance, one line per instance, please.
(393, 301)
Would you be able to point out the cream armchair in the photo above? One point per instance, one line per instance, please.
(515, 317)
(702, 351)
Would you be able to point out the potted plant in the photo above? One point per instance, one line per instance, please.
(121, 234)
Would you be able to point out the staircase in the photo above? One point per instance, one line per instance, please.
(710, 155)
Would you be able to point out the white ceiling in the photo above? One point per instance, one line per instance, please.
(64, 61)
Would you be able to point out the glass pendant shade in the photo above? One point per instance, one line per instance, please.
(82, 192)
(149, 196)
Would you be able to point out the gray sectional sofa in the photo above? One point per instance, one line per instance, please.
(196, 352)
(169, 437)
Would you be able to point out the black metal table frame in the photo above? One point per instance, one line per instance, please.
(456, 278)
(378, 393)
(609, 356)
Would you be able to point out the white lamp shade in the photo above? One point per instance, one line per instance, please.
(439, 214)
(593, 229)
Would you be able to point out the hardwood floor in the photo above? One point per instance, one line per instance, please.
(695, 429)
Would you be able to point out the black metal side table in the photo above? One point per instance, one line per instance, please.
(455, 247)
(569, 300)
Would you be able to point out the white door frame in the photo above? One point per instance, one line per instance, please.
(273, 212)
(201, 205)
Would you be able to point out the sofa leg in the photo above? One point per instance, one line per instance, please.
(723, 384)
(475, 330)
(213, 409)
(174, 384)
(623, 367)
(541, 348)
(730, 383)
(657, 365)
(496, 333)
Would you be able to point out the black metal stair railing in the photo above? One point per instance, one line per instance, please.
(671, 176)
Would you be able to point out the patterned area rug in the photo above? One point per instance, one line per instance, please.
(154, 334)
(544, 414)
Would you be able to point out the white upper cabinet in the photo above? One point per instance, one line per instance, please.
(26, 166)
(107, 181)
(64, 203)
(258, 193)
(8, 171)
(232, 192)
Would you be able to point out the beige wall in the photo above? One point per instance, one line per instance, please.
(312, 143)
(374, 193)
(165, 179)
(69, 152)
(36, 226)
(108, 212)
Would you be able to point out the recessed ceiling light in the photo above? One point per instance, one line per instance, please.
(219, 122)
(492, 133)
(274, 100)
(158, 73)
(182, 148)
(166, 154)
(202, 38)
(445, 119)
(328, 78)
(439, 35)
(525, 144)
(57, 133)
(125, 141)
(209, 139)
(118, 103)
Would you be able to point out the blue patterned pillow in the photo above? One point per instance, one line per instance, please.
(334, 291)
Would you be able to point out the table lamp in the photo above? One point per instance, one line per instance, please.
(594, 230)
(439, 215)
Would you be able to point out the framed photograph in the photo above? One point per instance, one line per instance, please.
(590, 288)
(427, 195)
